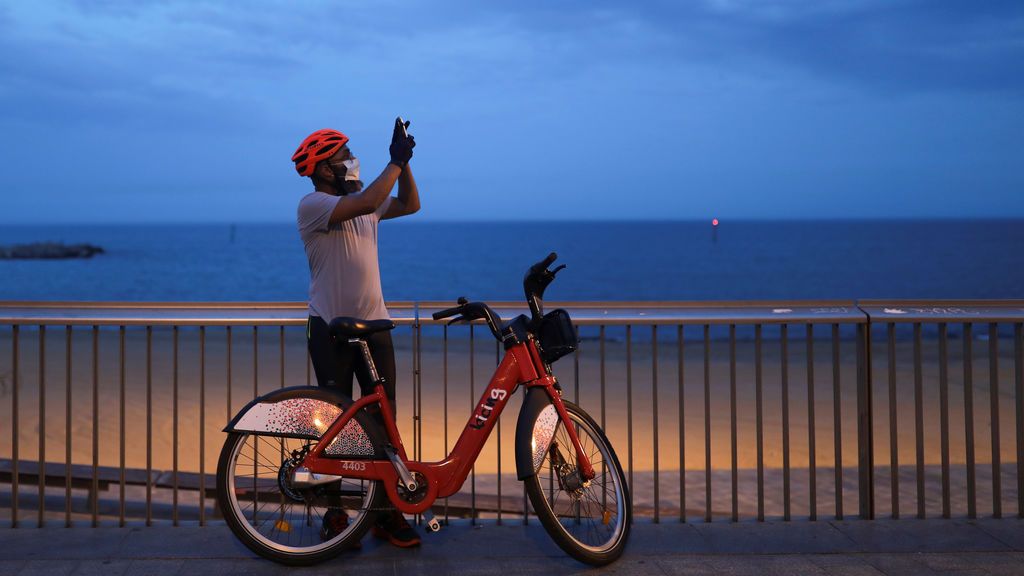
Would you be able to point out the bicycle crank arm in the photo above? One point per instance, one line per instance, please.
(305, 479)
(403, 473)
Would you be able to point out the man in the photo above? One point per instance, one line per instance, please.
(338, 226)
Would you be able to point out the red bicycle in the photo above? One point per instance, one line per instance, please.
(296, 453)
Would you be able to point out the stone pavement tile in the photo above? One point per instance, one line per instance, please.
(1004, 564)
(101, 567)
(48, 567)
(844, 564)
(917, 536)
(955, 562)
(686, 565)
(11, 567)
(150, 567)
(674, 538)
(59, 543)
(764, 565)
(772, 538)
(170, 542)
(902, 564)
(1009, 531)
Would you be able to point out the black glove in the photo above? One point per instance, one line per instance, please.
(401, 145)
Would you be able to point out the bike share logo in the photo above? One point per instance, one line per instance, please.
(486, 408)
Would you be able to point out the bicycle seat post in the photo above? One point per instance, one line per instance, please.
(365, 349)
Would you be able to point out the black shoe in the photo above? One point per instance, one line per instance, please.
(394, 528)
(335, 522)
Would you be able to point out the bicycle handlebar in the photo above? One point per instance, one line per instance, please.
(534, 283)
(447, 313)
(472, 311)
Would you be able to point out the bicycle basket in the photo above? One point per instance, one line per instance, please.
(557, 335)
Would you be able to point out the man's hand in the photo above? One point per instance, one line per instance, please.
(401, 145)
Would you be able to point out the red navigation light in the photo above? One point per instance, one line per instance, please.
(714, 221)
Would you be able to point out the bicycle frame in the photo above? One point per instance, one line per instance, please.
(521, 365)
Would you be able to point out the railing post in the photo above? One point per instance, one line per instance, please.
(865, 424)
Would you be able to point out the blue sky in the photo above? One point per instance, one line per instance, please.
(135, 111)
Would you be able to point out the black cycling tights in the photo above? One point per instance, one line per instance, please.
(335, 364)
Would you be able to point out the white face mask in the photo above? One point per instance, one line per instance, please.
(351, 169)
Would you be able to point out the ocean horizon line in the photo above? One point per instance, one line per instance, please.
(708, 220)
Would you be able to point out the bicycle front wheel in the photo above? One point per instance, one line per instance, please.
(279, 520)
(588, 520)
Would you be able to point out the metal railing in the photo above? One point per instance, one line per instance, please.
(716, 409)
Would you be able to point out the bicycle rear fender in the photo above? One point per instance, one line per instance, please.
(534, 429)
(306, 412)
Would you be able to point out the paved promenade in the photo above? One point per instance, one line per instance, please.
(851, 548)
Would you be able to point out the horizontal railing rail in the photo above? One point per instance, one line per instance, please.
(717, 409)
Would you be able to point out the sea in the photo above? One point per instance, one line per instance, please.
(635, 260)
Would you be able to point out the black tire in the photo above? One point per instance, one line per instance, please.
(566, 521)
(260, 541)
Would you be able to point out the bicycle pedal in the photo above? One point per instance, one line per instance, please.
(432, 524)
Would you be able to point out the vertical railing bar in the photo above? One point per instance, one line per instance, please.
(682, 429)
(894, 457)
(784, 352)
(654, 419)
(255, 362)
(601, 337)
(969, 421)
(202, 418)
(415, 389)
(227, 384)
(497, 362)
(707, 423)
(733, 443)
(14, 424)
(604, 466)
(123, 426)
(759, 401)
(1018, 374)
(255, 394)
(41, 522)
(993, 387)
(837, 428)
(67, 425)
(472, 406)
(95, 493)
(944, 417)
(919, 419)
(419, 380)
(149, 425)
(444, 383)
(280, 338)
(865, 424)
(174, 428)
(812, 467)
(629, 406)
(575, 369)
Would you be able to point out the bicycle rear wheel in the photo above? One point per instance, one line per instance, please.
(588, 520)
(278, 520)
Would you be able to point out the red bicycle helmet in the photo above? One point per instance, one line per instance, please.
(319, 145)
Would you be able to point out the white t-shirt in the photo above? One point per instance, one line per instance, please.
(344, 274)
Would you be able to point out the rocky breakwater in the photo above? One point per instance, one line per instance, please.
(48, 251)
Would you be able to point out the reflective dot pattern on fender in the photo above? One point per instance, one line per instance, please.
(543, 430)
(352, 441)
(304, 417)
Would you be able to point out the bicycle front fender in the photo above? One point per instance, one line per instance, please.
(538, 419)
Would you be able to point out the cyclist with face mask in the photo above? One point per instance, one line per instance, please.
(338, 226)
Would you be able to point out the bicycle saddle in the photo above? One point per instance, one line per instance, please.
(346, 327)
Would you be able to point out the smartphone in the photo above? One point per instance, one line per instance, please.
(401, 127)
